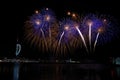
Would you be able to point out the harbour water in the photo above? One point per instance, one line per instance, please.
(58, 71)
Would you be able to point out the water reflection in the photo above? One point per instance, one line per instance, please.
(16, 71)
(118, 71)
(37, 71)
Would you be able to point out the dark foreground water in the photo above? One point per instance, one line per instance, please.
(38, 71)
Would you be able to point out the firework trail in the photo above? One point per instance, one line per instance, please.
(96, 41)
(49, 18)
(44, 37)
(66, 31)
(38, 23)
(90, 28)
(50, 35)
(82, 38)
(60, 38)
(59, 42)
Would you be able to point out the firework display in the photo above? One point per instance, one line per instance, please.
(47, 33)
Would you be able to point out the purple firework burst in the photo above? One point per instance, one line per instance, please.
(67, 27)
(91, 30)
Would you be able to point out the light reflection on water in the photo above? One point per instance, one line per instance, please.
(37, 71)
(16, 71)
(118, 71)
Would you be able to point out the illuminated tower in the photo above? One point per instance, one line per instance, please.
(18, 48)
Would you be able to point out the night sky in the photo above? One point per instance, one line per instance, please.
(15, 14)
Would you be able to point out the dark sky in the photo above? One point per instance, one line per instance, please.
(17, 12)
